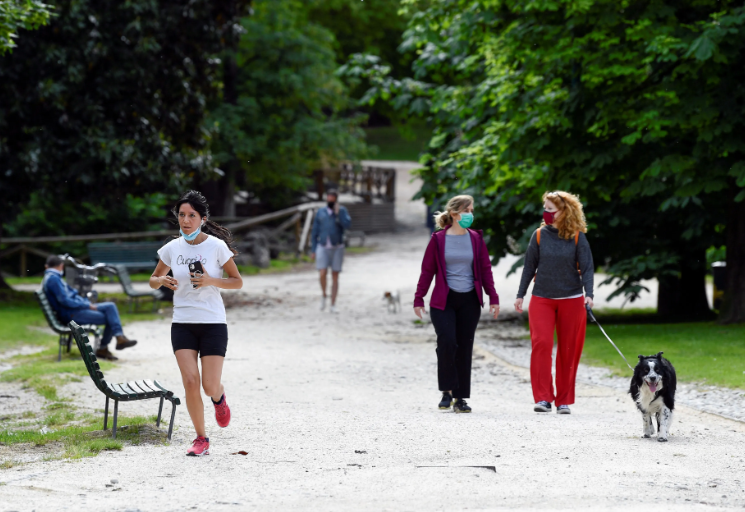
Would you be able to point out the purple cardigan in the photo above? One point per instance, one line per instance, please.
(433, 265)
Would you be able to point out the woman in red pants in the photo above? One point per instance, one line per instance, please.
(560, 261)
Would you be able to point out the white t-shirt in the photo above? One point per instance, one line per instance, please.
(202, 306)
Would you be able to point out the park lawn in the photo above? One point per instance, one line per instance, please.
(704, 352)
(391, 145)
(70, 434)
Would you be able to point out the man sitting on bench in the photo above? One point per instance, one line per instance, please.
(69, 305)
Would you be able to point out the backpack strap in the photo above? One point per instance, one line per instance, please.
(576, 238)
(538, 236)
(576, 241)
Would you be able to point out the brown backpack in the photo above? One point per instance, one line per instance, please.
(538, 240)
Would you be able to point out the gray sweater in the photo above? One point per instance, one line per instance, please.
(556, 261)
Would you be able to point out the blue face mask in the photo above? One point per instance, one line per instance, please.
(466, 219)
(191, 236)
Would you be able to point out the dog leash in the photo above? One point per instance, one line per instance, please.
(595, 320)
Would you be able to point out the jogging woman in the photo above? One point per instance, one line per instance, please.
(199, 327)
(458, 260)
(560, 261)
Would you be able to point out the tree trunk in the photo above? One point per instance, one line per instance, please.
(733, 305)
(684, 297)
(3, 284)
(230, 96)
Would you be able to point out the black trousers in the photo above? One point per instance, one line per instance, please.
(456, 327)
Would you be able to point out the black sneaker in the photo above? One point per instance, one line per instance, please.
(460, 405)
(447, 401)
(542, 406)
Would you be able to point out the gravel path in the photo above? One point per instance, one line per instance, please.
(339, 412)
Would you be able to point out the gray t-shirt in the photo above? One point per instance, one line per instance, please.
(554, 265)
(459, 262)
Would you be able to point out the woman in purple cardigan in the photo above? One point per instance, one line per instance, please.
(457, 259)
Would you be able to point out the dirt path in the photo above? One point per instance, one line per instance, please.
(339, 412)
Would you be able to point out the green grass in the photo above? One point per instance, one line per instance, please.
(23, 323)
(701, 352)
(80, 435)
(44, 374)
(392, 145)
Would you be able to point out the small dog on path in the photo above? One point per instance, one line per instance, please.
(653, 391)
(393, 301)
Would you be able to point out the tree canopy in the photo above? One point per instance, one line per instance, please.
(106, 100)
(20, 14)
(635, 105)
(289, 116)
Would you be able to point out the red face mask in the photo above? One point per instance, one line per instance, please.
(548, 217)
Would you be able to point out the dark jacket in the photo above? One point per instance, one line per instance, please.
(329, 225)
(63, 299)
(433, 265)
(555, 261)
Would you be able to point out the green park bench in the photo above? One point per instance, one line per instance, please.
(133, 255)
(126, 392)
(134, 295)
(65, 334)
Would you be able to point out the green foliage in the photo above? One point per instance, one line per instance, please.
(288, 117)
(20, 14)
(635, 106)
(392, 144)
(700, 352)
(107, 100)
(45, 214)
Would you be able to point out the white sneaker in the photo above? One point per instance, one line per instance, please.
(323, 303)
(333, 309)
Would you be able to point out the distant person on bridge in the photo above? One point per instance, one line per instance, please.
(69, 305)
(559, 260)
(458, 260)
(198, 259)
(327, 244)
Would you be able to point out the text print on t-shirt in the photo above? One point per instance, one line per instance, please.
(180, 260)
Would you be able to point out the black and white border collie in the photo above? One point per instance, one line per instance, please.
(653, 390)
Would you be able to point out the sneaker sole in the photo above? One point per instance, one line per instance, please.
(192, 454)
(461, 412)
(538, 408)
(563, 411)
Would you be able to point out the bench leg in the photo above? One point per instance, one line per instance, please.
(173, 415)
(106, 415)
(160, 410)
(59, 354)
(69, 343)
(116, 413)
(129, 306)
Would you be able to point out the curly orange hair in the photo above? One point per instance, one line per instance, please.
(572, 218)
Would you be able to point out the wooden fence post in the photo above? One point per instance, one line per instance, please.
(306, 231)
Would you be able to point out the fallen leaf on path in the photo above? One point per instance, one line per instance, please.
(239, 453)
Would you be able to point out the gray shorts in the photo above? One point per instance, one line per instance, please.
(329, 257)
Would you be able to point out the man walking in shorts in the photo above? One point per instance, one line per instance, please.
(327, 243)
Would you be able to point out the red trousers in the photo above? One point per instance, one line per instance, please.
(569, 318)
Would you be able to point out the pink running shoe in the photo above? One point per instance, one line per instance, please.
(222, 412)
(200, 446)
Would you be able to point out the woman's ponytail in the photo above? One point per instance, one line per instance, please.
(443, 219)
(221, 232)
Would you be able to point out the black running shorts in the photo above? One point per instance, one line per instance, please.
(206, 339)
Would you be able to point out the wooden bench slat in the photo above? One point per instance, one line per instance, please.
(131, 392)
(134, 387)
(143, 386)
(168, 393)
